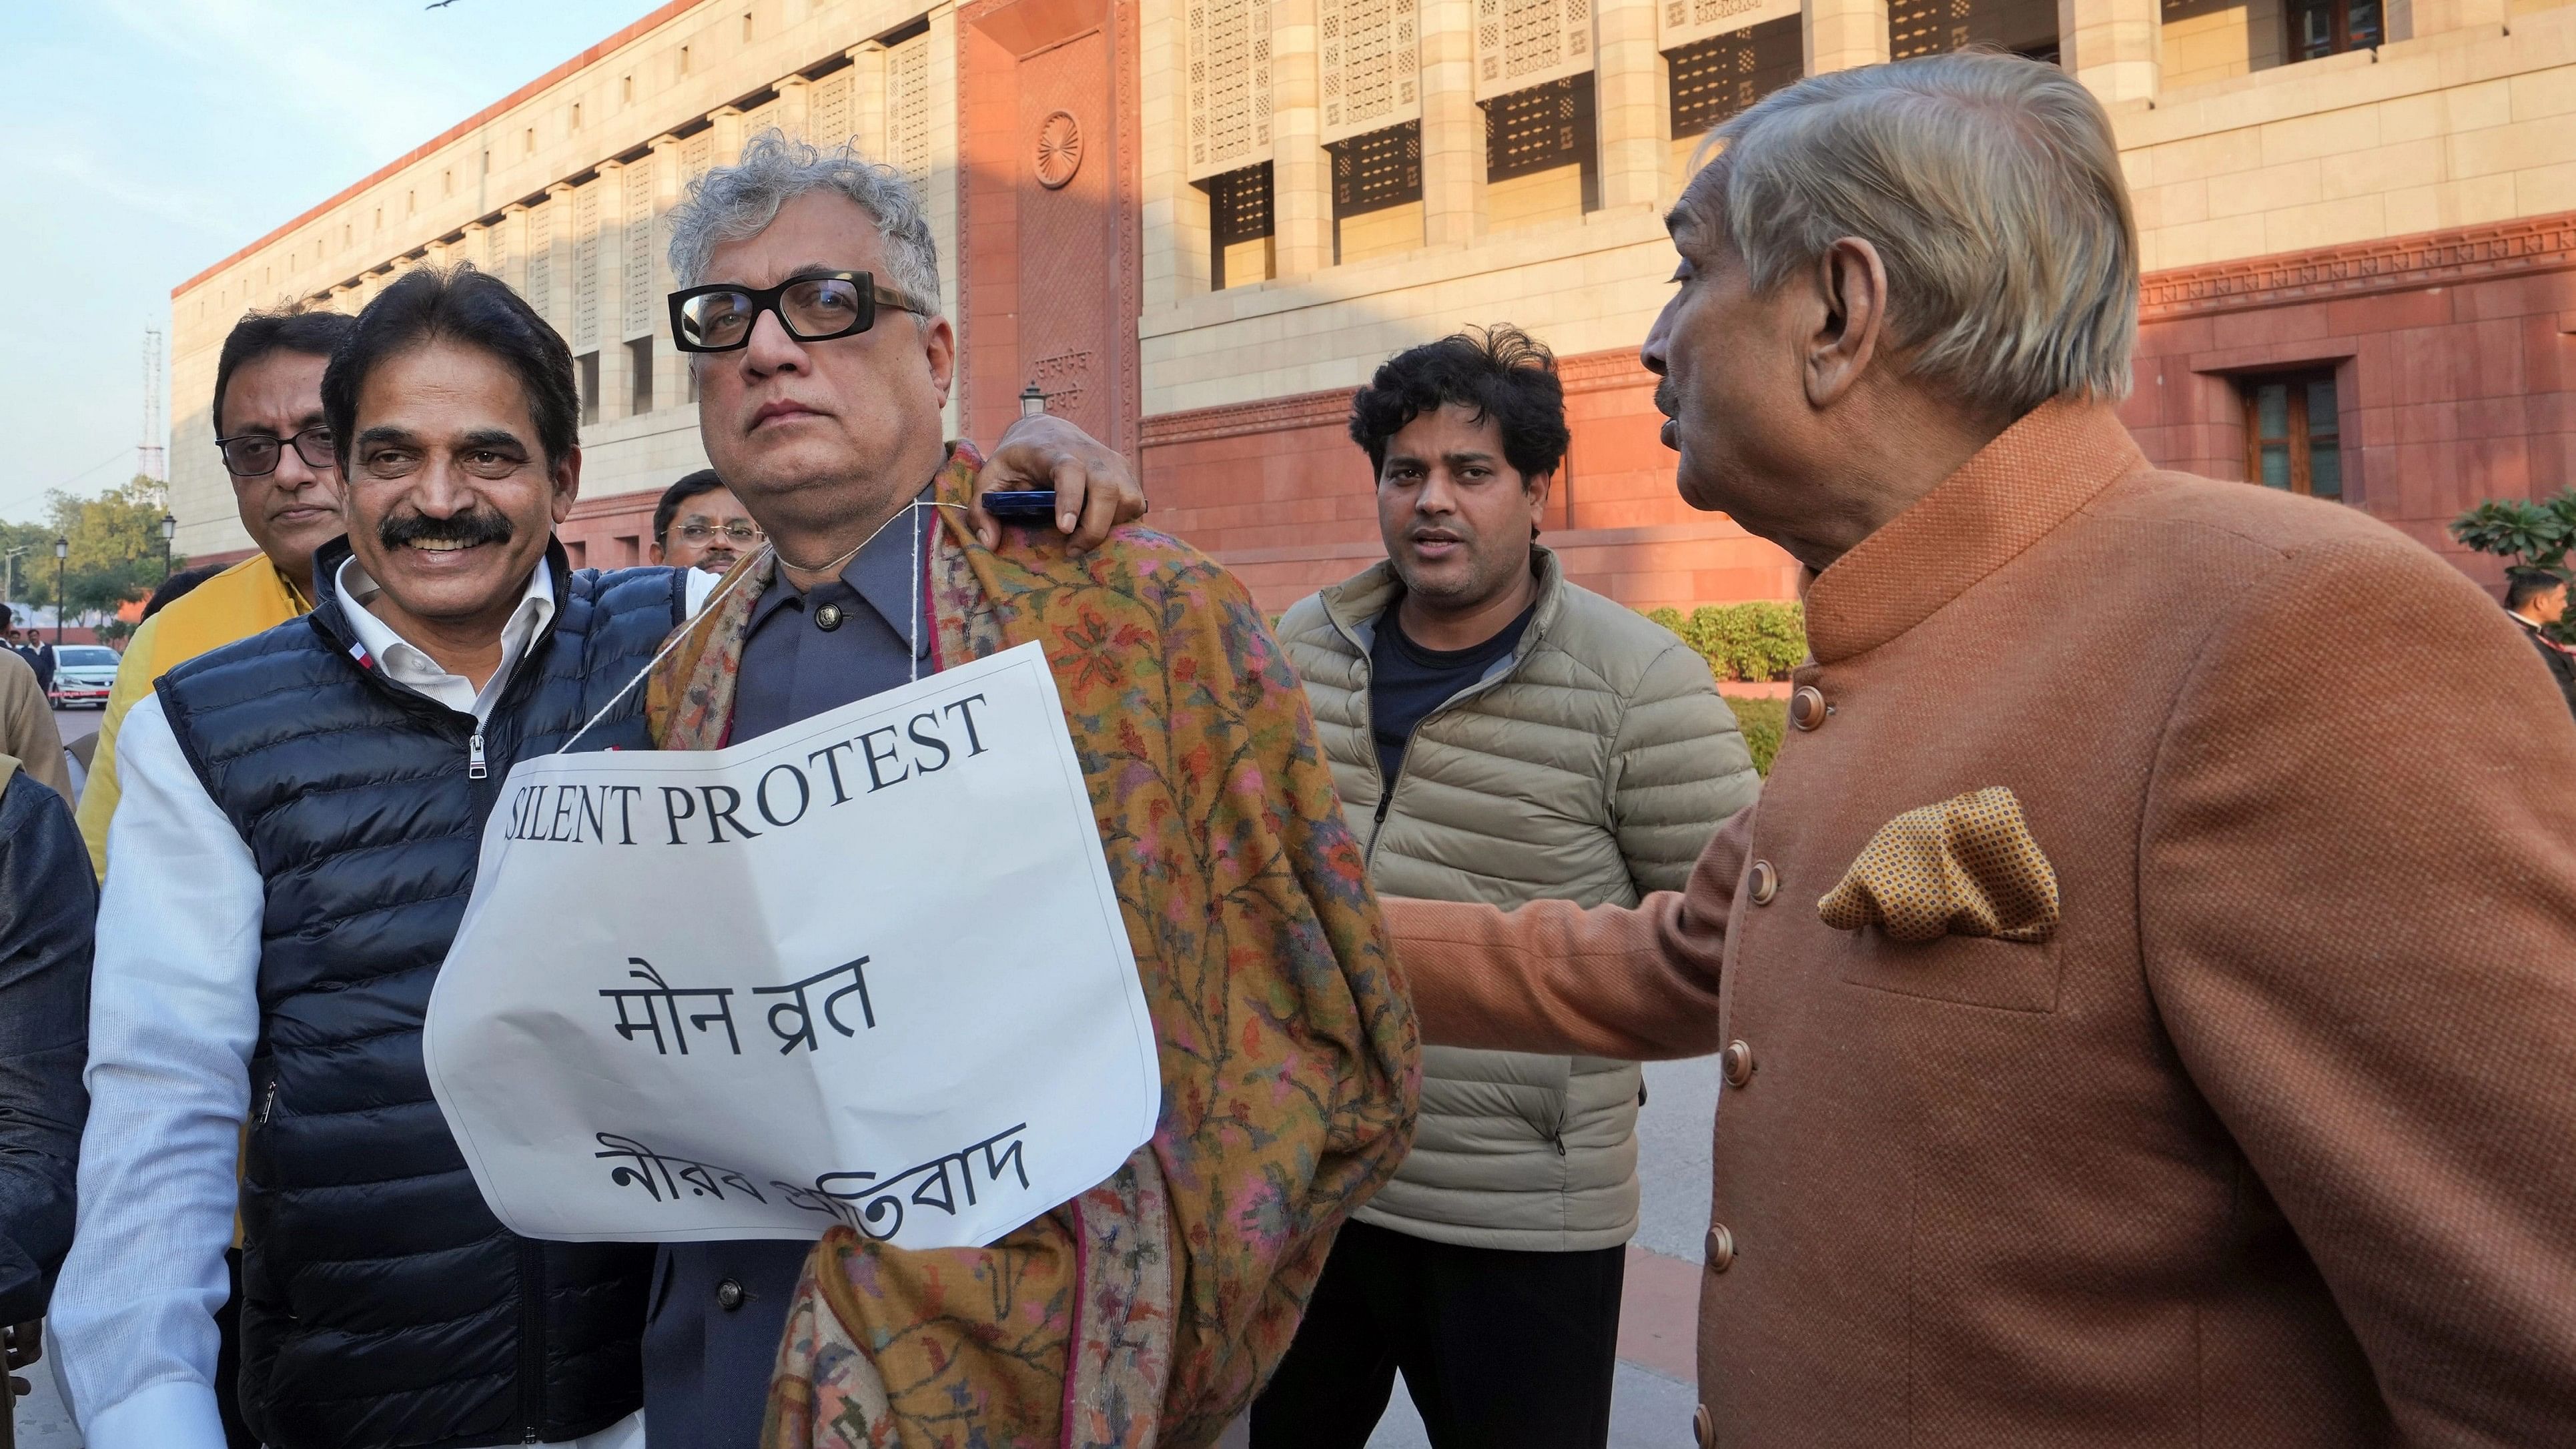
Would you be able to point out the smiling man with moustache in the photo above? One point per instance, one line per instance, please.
(297, 841)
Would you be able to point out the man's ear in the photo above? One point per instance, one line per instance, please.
(565, 475)
(1850, 285)
(939, 348)
(1537, 486)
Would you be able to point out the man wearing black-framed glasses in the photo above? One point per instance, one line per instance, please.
(699, 524)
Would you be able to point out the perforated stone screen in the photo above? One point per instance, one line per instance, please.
(1370, 65)
(908, 110)
(1521, 43)
(1229, 85)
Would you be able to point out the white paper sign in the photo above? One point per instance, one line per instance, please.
(867, 969)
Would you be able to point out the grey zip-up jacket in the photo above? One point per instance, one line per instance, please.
(1592, 765)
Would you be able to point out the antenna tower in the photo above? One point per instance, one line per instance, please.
(151, 455)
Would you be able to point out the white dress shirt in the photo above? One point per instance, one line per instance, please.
(174, 1014)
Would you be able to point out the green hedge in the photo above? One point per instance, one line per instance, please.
(1762, 720)
(1756, 641)
(1752, 642)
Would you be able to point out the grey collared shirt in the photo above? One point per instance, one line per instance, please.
(718, 1309)
(815, 650)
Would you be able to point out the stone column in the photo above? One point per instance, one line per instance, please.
(725, 148)
(795, 114)
(1841, 34)
(514, 227)
(2115, 47)
(1301, 176)
(1628, 99)
(867, 99)
(670, 366)
(559, 275)
(1453, 125)
(616, 373)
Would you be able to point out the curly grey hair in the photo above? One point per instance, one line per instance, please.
(1991, 187)
(728, 203)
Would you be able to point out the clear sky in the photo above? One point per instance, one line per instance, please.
(145, 140)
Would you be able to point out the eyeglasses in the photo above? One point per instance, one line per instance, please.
(255, 455)
(813, 308)
(736, 533)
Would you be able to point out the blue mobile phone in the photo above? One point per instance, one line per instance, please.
(1032, 506)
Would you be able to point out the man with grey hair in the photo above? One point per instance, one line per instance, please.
(2136, 1028)
(809, 306)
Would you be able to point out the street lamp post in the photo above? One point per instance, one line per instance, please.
(169, 531)
(62, 551)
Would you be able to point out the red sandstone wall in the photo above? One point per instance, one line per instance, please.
(2454, 356)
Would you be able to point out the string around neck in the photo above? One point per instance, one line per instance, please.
(706, 610)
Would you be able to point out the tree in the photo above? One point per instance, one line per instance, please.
(2525, 534)
(115, 542)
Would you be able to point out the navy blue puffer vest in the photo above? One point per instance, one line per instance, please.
(382, 1303)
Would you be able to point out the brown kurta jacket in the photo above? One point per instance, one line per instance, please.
(2272, 1141)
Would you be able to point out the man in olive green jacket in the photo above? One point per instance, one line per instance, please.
(1497, 735)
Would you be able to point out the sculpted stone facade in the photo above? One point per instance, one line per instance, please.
(1196, 224)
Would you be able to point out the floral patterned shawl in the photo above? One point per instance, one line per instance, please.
(1148, 1311)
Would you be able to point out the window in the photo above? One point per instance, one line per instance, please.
(684, 60)
(1240, 249)
(2330, 27)
(532, 140)
(587, 366)
(576, 115)
(1542, 159)
(639, 359)
(627, 90)
(746, 27)
(1724, 74)
(1936, 27)
(447, 180)
(1377, 193)
(2293, 433)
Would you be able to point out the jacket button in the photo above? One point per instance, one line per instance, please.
(1763, 883)
(1721, 1249)
(729, 1295)
(1807, 707)
(1703, 1428)
(828, 618)
(1737, 1062)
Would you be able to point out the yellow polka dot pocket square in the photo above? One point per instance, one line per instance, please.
(1964, 867)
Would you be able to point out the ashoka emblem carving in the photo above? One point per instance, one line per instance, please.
(1059, 149)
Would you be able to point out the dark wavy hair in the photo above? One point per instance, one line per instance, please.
(312, 333)
(1501, 372)
(456, 304)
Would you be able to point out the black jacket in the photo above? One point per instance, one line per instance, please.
(2562, 665)
(382, 1304)
(48, 900)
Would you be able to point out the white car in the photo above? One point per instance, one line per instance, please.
(83, 674)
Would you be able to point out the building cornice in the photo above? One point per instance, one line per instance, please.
(2525, 246)
(451, 134)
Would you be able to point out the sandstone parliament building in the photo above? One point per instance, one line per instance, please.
(1195, 225)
